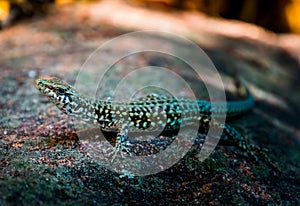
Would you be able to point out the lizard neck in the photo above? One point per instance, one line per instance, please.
(81, 107)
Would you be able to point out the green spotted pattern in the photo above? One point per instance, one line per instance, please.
(151, 113)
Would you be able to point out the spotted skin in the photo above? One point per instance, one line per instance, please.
(151, 113)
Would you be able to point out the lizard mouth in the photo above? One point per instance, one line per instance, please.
(39, 84)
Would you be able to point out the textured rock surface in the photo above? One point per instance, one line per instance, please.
(43, 161)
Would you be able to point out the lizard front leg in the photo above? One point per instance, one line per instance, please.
(122, 134)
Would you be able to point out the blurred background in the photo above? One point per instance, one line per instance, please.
(42, 161)
(282, 16)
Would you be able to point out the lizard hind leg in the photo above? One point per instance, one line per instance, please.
(254, 151)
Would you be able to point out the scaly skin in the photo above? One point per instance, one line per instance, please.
(148, 114)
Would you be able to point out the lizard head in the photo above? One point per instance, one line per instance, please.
(57, 91)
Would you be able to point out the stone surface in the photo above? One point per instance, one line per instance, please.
(43, 161)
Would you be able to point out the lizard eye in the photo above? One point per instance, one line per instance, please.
(61, 91)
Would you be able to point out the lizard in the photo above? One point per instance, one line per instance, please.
(152, 113)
